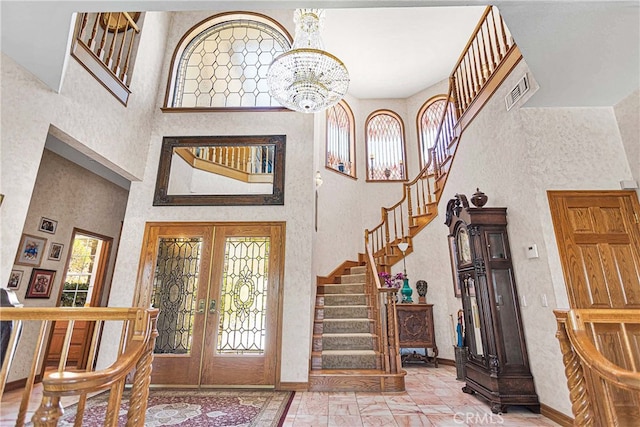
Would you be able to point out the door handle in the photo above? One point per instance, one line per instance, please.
(201, 306)
(212, 306)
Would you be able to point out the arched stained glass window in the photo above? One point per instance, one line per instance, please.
(341, 139)
(223, 62)
(429, 118)
(385, 147)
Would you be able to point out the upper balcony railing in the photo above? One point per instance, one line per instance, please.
(30, 330)
(105, 44)
(487, 59)
(485, 62)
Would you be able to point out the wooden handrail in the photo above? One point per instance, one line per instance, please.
(386, 314)
(485, 62)
(578, 323)
(134, 354)
(486, 52)
(602, 391)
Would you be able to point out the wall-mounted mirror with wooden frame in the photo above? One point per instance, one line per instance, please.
(221, 170)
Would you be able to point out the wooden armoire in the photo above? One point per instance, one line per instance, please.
(497, 367)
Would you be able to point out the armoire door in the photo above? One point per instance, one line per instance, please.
(217, 287)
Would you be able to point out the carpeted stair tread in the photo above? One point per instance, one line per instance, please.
(351, 334)
(347, 352)
(345, 299)
(353, 278)
(348, 341)
(346, 312)
(343, 288)
(346, 326)
(361, 269)
(349, 359)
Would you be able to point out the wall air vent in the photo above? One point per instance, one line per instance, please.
(517, 92)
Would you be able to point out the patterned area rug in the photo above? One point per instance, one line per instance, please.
(195, 408)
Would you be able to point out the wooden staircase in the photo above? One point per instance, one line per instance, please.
(345, 354)
(367, 359)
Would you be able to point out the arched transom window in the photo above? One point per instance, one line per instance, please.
(385, 147)
(341, 139)
(429, 118)
(223, 62)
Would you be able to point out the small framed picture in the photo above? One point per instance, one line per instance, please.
(30, 250)
(48, 225)
(14, 279)
(40, 283)
(55, 251)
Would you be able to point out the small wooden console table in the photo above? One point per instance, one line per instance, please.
(415, 330)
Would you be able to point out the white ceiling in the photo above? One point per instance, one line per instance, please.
(382, 48)
(581, 52)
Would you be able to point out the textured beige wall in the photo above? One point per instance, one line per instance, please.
(515, 157)
(98, 124)
(76, 198)
(627, 113)
(297, 212)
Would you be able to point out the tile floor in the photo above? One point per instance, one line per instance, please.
(433, 398)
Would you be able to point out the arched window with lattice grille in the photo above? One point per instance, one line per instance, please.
(222, 63)
(386, 156)
(429, 117)
(341, 139)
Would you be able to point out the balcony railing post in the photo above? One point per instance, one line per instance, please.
(385, 220)
(48, 413)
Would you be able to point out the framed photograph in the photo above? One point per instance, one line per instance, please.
(30, 250)
(40, 283)
(48, 225)
(14, 279)
(55, 251)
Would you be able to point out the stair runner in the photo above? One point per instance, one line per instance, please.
(343, 330)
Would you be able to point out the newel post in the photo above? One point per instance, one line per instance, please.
(580, 403)
(48, 413)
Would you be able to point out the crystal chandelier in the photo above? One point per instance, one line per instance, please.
(306, 78)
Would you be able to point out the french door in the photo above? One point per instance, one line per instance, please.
(218, 288)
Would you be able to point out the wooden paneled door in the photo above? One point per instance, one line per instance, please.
(598, 235)
(218, 288)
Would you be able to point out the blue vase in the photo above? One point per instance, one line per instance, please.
(406, 292)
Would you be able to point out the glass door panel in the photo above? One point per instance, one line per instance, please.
(243, 301)
(180, 259)
(242, 320)
(175, 290)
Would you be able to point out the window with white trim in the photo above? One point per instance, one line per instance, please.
(385, 147)
(341, 139)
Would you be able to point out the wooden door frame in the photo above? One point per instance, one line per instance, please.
(144, 283)
(554, 195)
(96, 295)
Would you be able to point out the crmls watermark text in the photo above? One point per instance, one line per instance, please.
(477, 418)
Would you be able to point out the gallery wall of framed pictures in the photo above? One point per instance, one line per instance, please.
(33, 249)
(45, 241)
